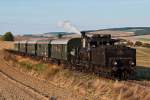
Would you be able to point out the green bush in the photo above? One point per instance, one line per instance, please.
(26, 65)
(39, 67)
(8, 36)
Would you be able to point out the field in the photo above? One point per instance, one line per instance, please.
(142, 38)
(71, 85)
(143, 57)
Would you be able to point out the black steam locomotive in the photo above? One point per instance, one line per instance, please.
(98, 54)
(101, 54)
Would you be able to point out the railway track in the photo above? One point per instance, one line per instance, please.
(29, 88)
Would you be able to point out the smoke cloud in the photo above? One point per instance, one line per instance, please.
(69, 27)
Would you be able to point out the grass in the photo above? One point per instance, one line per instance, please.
(39, 67)
(26, 65)
(143, 73)
(29, 66)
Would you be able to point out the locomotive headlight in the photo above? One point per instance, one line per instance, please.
(114, 68)
(115, 63)
(132, 63)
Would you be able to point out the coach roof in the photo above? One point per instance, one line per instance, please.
(32, 42)
(25, 41)
(62, 40)
(44, 41)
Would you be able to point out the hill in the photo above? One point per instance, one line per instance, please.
(124, 32)
(136, 30)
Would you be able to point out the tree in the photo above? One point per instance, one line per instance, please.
(138, 43)
(59, 35)
(8, 36)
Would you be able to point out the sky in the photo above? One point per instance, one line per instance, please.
(41, 16)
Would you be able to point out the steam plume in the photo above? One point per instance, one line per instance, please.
(69, 27)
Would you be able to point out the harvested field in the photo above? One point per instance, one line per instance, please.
(142, 38)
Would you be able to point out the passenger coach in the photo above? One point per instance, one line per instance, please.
(61, 48)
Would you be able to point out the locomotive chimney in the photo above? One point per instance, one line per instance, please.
(83, 36)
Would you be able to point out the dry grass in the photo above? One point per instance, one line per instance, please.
(5, 45)
(83, 84)
(94, 87)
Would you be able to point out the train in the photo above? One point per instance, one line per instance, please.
(99, 54)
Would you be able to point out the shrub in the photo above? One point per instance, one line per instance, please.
(138, 43)
(129, 43)
(26, 65)
(39, 67)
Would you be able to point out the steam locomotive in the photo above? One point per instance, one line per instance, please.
(99, 54)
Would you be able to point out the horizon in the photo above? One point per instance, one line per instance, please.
(37, 17)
